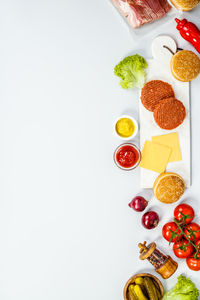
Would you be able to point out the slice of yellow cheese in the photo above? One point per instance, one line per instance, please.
(170, 140)
(155, 157)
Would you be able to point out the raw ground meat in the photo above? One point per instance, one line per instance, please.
(169, 114)
(155, 91)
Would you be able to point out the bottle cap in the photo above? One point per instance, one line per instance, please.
(180, 23)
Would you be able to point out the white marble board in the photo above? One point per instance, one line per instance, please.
(159, 68)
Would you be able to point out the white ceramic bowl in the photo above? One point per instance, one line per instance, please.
(135, 131)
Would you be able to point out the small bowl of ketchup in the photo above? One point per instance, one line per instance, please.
(127, 156)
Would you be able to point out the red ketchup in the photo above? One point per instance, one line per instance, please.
(127, 156)
(189, 32)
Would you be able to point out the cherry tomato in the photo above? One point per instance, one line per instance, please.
(184, 213)
(193, 232)
(193, 263)
(171, 232)
(198, 244)
(182, 249)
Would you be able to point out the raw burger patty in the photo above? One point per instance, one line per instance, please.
(154, 91)
(170, 113)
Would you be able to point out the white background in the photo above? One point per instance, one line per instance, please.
(66, 231)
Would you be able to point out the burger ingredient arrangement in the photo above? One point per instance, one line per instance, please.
(185, 235)
(167, 108)
(152, 124)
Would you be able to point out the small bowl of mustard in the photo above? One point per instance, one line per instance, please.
(126, 127)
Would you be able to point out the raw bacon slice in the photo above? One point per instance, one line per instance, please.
(142, 11)
(156, 8)
(122, 6)
(165, 5)
(139, 12)
(132, 13)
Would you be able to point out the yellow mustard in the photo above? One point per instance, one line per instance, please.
(125, 127)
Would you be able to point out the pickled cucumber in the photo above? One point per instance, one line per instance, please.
(139, 280)
(131, 293)
(157, 289)
(139, 293)
(151, 289)
(158, 293)
(130, 296)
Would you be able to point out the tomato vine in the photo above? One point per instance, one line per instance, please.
(180, 229)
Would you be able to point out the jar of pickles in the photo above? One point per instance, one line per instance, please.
(164, 265)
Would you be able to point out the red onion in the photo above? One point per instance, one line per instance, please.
(150, 220)
(138, 203)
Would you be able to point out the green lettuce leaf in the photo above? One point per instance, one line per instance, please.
(131, 71)
(185, 289)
